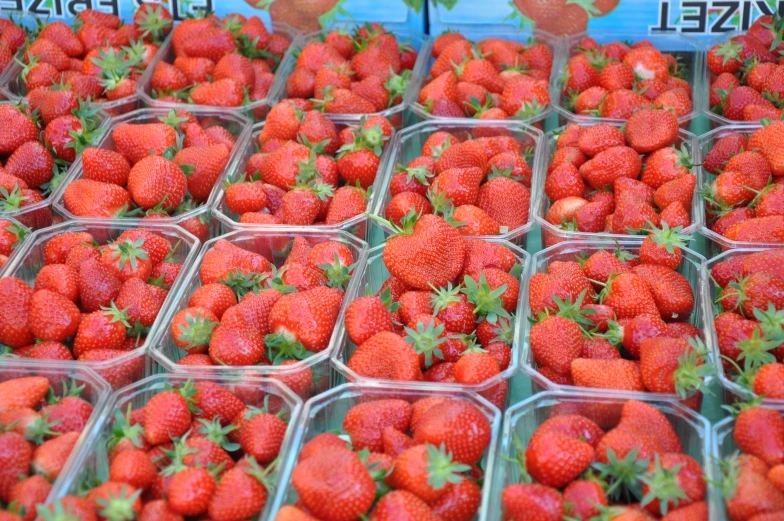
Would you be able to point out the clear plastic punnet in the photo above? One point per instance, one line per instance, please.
(197, 220)
(475, 33)
(64, 377)
(716, 242)
(692, 267)
(256, 110)
(135, 364)
(356, 225)
(523, 419)
(552, 234)
(497, 390)
(93, 460)
(404, 35)
(325, 413)
(689, 52)
(274, 243)
(407, 145)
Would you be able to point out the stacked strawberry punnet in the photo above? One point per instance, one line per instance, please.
(302, 170)
(610, 180)
(362, 72)
(37, 146)
(744, 202)
(493, 78)
(243, 310)
(412, 456)
(157, 164)
(613, 80)
(745, 78)
(446, 314)
(618, 319)
(11, 235)
(481, 185)
(191, 448)
(748, 290)
(588, 458)
(749, 463)
(88, 302)
(44, 413)
(99, 59)
(216, 62)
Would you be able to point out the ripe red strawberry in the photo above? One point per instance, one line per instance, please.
(156, 181)
(386, 356)
(292, 311)
(649, 130)
(526, 499)
(88, 198)
(366, 422)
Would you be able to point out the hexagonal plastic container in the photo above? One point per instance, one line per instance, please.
(690, 50)
(30, 259)
(408, 144)
(256, 110)
(274, 243)
(325, 413)
(692, 267)
(96, 391)
(476, 32)
(237, 124)
(39, 215)
(552, 234)
(357, 225)
(93, 460)
(372, 278)
(718, 243)
(523, 419)
(419, 41)
(733, 392)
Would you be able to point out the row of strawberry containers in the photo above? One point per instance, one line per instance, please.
(244, 447)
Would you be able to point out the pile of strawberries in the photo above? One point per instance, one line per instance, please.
(249, 312)
(482, 185)
(446, 314)
(37, 146)
(752, 482)
(11, 233)
(615, 320)
(306, 172)
(584, 463)
(749, 327)
(360, 73)
(219, 63)
(413, 461)
(41, 422)
(162, 168)
(194, 449)
(99, 59)
(745, 202)
(91, 303)
(614, 80)
(746, 82)
(489, 79)
(602, 179)
(12, 38)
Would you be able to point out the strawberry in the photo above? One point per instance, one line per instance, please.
(53, 316)
(556, 352)
(100, 330)
(402, 505)
(15, 312)
(663, 247)
(155, 180)
(386, 356)
(89, 198)
(224, 92)
(50, 457)
(530, 499)
(366, 422)
(16, 455)
(449, 423)
(293, 310)
(649, 130)
(135, 141)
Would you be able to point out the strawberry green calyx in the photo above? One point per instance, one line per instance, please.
(187, 391)
(441, 469)
(442, 205)
(614, 333)
(598, 58)
(122, 429)
(173, 120)
(321, 104)
(573, 310)
(87, 137)
(771, 321)
(197, 330)
(529, 109)
(406, 223)
(420, 173)
(112, 62)
(39, 429)
(377, 472)
(729, 50)
(397, 85)
(262, 476)
(487, 301)
(243, 283)
(19, 230)
(218, 434)
(153, 23)
(116, 315)
(315, 148)
(756, 351)
(670, 238)
(282, 348)
(128, 252)
(623, 475)
(176, 455)
(519, 459)
(338, 275)
(57, 512)
(693, 369)
(13, 200)
(663, 485)
(442, 297)
(729, 468)
(386, 299)
(119, 507)
(426, 340)
(274, 280)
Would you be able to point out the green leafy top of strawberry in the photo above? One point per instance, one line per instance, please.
(197, 330)
(338, 275)
(128, 252)
(122, 429)
(426, 339)
(487, 301)
(623, 475)
(243, 283)
(693, 369)
(57, 512)
(663, 485)
(153, 23)
(397, 84)
(670, 238)
(10, 201)
(281, 348)
(755, 351)
(420, 173)
(441, 469)
(442, 297)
